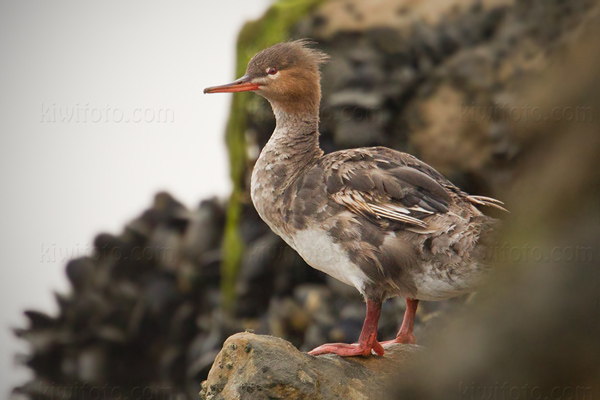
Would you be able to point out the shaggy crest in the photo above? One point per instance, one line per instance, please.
(286, 55)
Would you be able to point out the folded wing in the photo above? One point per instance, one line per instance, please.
(389, 188)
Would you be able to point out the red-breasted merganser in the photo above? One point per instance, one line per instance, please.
(374, 218)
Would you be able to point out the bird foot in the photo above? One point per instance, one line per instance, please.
(408, 338)
(348, 350)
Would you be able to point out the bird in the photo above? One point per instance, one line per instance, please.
(374, 218)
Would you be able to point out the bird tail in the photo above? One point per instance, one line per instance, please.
(487, 201)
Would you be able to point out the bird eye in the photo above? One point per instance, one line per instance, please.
(272, 71)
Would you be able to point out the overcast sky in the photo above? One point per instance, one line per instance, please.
(102, 107)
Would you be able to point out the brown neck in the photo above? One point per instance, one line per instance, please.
(296, 137)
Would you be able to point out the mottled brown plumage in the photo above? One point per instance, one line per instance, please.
(374, 218)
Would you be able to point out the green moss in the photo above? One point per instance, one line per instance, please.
(272, 28)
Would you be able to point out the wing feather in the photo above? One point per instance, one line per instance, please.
(398, 191)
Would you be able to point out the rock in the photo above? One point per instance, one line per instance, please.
(39, 320)
(136, 310)
(265, 367)
(78, 271)
(205, 230)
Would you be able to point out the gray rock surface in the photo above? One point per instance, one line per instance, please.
(266, 367)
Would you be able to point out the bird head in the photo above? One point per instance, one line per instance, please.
(286, 74)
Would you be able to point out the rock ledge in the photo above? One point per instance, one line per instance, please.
(265, 367)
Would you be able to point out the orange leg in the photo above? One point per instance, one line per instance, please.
(366, 342)
(405, 335)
